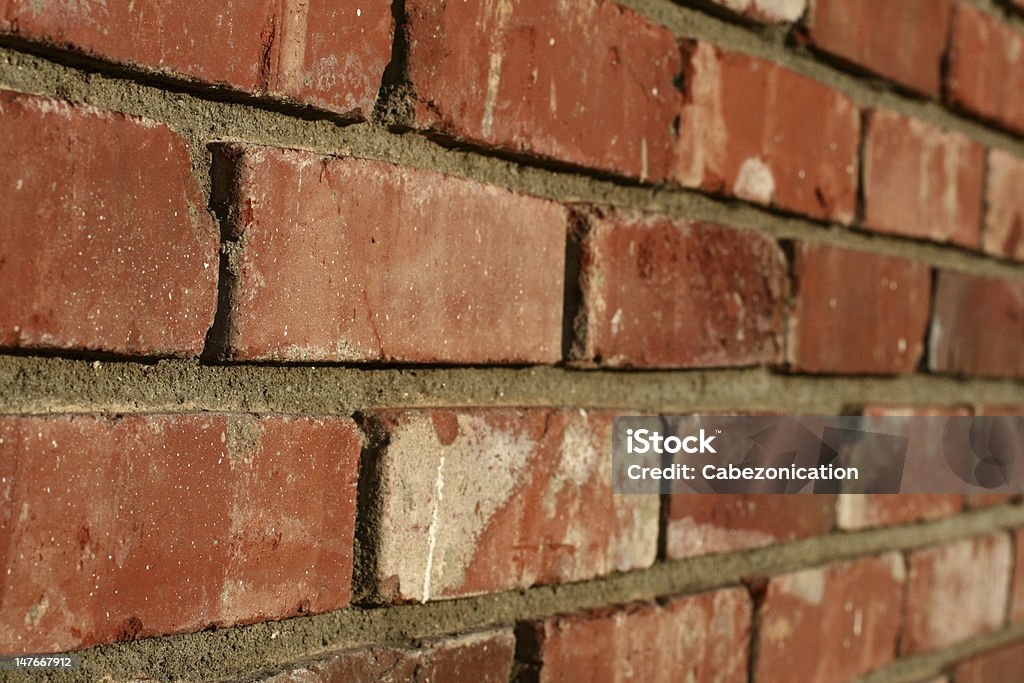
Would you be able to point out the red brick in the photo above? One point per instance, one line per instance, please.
(116, 529)
(702, 524)
(831, 623)
(480, 501)
(956, 591)
(857, 312)
(485, 657)
(759, 132)
(1003, 234)
(663, 293)
(1003, 665)
(986, 67)
(921, 181)
(902, 41)
(354, 260)
(328, 54)
(859, 511)
(978, 326)
(585, 82)
(85, 192)
(771, 11)
(699, 639)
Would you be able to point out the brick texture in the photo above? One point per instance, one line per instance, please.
(830, 624)
(857, 312)
(756, 131)
(489, 500)
(353, 260)
(482, 501)
(956, 591)
(1017, 584)
(328, 54)
(485, 657)
(1003, 234)
(986, 71)
(115, 529)
(84, 192)
(977, 326)
(653, 291)
(702, 524)
(771, 11)
(902, 41)
(1002, 665)
(858, 511)
(534, 78)
(702, 638)
(921, 181)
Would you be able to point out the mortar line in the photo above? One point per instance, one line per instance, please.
(232, 652)
(205, 121)
(47, 385)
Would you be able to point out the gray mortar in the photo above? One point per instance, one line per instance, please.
(201, 121)
(227, 654)
(57, 385)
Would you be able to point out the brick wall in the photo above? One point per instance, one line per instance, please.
(315, 317)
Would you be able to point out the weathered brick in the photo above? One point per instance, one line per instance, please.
(485, 657)
(903, 41)
(832, 623)
(584, 82)
(354, 260)
(663, 293)
(986, 67)
(119, 528)
(1002, 665)
(1003, 234)
(956, 591)
(977, 326)
(702, 524)
(480, 501)
(921, 181)
(857, 312)
(760, 132)
(328, 54)
(859, 511)
(85, 192)
(772, 11)
(700, 639)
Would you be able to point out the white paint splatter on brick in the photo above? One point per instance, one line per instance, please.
(755, 182)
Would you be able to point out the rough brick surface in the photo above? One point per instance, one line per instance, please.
(346, 259)
(1003, 233)
(921, 181)
(759, 132)
(116, 529)
(857, 312)
(1003, 665)
(328, 54)
(662, 293)
(700, 639)
(585, 82)
(485, 657)
(956, 591)
(986, 67)
(977, 326)
(772, 11)
(702, 524)
(830, 624)
(902, 41)
(488, 500)
(84, 193)
(859, 511)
